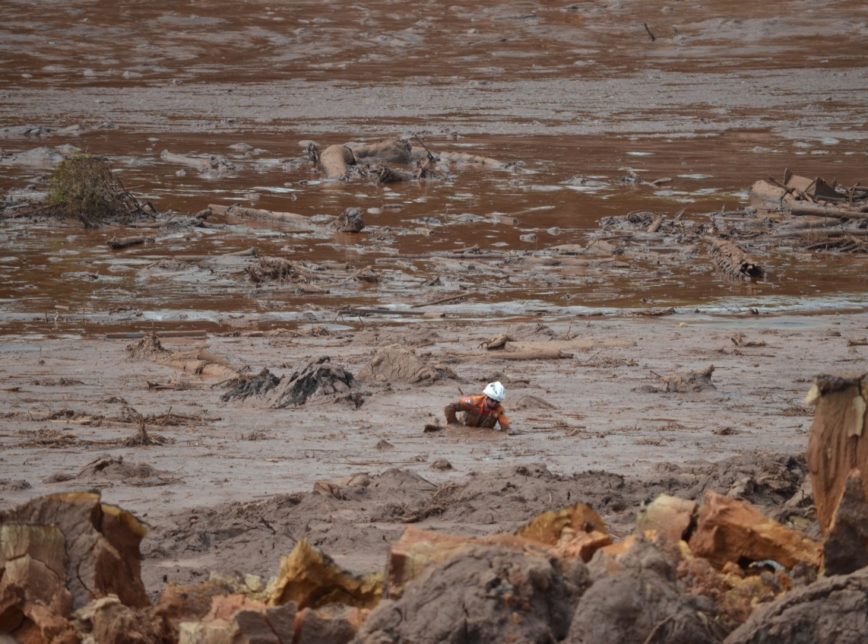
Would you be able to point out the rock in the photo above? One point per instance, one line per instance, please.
(395, 363)
(730, 530)
(238, 619)
(573, 532)
(838, 441)
(34, 601)
(846, 547)
(669, 516)
(328, 625)
(833, 611)
(102, 544)
(639, 606)
(309, 578)
(485, 593)
(107, 620)
(350, 221)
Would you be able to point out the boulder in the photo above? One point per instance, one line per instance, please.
(328, 625)
(574, 532)
(669, 516)
(102, 545)
(838, 441)
(34, 601)
(833, 610)
(731, 530)
(639, 606)
(485, 593)
(309, 578)
(846, 547)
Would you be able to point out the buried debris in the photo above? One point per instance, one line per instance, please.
(396, 363)
(245, 386)
(350, 221)
(83, 186)
(269, 269)
(391, 160)
(694, 381)
(318, 379)
(733, 261)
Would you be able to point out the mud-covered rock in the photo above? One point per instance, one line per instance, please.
(350, 221)
(846, 547)
(395, 363)
(483, 594)
(639, 606)
(34, 601)
(833, 611)
(245, 386)
(328, 625)
(318, 378)
(102, 543)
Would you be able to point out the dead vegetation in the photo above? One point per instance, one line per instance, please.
(84, 187)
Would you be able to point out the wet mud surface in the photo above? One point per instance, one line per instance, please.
(585, 111)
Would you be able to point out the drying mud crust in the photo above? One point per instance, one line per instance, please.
(249, 250)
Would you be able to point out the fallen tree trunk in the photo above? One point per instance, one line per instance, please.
(732, 260)
(296, 221)
(335, 160)
(390, 150)
(126, 242)
(825, 211)
(542, 354)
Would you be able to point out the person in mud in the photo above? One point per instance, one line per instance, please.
(481, 411)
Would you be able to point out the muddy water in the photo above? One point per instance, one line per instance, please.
(573, 97)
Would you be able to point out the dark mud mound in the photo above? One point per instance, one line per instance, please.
(318, 379)
(485, 594)
(832, 611)
(245, 386)
(398, 364)
(107, 471)
(148, 348)
(641, 603)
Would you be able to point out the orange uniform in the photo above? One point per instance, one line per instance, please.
(476, 414)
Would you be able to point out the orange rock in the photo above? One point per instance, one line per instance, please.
(310, 578)
(548, 527)
(581, 545)
(731, 530)
(668, 516)
(418, 550)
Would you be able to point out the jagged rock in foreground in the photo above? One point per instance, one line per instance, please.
(838, 442)
(832, 611)
(642, 603)
(733, 531)
(484, 594)
(101, 542)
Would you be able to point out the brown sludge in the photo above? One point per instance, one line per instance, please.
(249, 250)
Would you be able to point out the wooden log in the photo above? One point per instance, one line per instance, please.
(391, 150)
(125, 242)
(732, 260)
(655, 225)
(825, 211)
(294, 220)
(335, 160)
(540, 354)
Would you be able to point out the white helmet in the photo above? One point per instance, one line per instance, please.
(495, 391)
